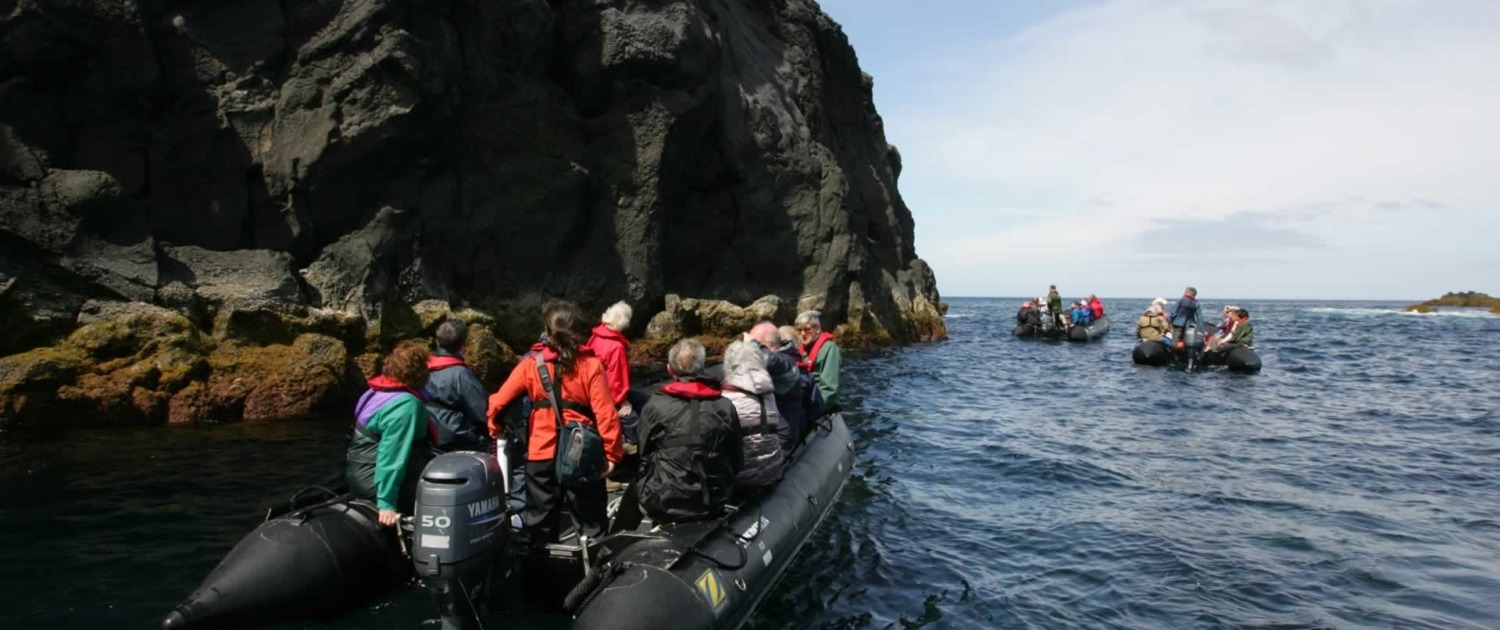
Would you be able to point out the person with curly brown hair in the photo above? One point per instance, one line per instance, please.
(585, 398)
(392, 433)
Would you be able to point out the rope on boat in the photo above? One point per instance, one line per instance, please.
(593, 584)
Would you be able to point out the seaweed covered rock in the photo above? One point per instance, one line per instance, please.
(275, 382)
(1459, 299)
(120, 367)
(133, 363)
(715, 318)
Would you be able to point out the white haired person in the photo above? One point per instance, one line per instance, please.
(609, 343)
(1152, 324)
(1227, 321)
(748, 386)
(821, 356)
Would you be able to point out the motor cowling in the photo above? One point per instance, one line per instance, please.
(461, 515)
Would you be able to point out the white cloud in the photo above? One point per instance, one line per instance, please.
(1357, 131)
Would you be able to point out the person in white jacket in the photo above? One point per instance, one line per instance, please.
(748, 386)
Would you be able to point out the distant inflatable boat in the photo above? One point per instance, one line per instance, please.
(1039, 328)
(1089, 332)
(1048, 330)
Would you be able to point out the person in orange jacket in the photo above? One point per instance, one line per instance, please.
(586, 398)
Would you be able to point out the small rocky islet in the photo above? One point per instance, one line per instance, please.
(214, 212)
(1458, 299)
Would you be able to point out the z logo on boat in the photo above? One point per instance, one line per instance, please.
(713, 589)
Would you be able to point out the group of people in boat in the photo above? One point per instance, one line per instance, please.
(1234, 330)
(700, 441)
(1080, 313)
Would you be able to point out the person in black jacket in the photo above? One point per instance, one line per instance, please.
(690, 443)
(455, 398)
(1186, 314)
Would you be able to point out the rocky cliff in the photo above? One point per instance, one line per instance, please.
(282, 188)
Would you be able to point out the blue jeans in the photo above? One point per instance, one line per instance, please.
(629, 422)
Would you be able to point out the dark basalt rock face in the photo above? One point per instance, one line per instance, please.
(324, 167)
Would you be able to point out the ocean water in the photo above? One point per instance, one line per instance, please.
(1002, 483)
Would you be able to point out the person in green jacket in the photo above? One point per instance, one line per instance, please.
(391, 437)
(1240, 335)
(1055, 307)
(820, 357)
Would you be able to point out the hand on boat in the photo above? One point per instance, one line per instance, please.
(389, 518)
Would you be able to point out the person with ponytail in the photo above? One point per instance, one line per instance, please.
(581, 384)
(392, 434)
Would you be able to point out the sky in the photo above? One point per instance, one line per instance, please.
(1329, 149)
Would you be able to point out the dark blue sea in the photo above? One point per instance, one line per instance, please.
(1002, 483)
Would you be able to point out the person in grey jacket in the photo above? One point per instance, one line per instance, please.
(747, 385)
(786, 379)
(454, 396)
(1187, 314)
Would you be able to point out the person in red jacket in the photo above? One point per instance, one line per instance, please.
(586, 398)
(1097, 307)
(609, 343)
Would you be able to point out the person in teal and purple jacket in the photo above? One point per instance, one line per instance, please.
(392, 434)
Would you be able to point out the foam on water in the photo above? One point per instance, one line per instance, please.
(1453, 312)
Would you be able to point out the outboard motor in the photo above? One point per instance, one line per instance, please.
(461, 526)
(1192, 339)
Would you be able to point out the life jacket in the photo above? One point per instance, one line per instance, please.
(689, 462)
(1152, 326)
(691, 390)
(383, 390)
(442, 362)
(1097, 308)
(812, 354)
(530, 405)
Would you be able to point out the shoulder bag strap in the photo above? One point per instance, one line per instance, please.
(549, 387)
(365, 431)
(762, 400)
(695, 429)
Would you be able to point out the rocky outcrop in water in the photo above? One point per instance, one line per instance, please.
(283, 178)
(1458, 299)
